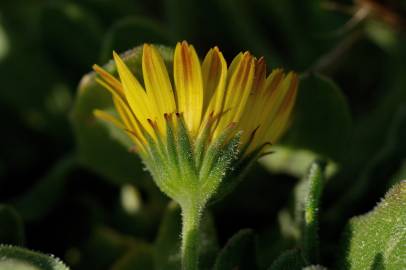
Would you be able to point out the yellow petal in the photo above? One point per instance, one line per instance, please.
(260, 74)
(214, 70)
(259, 100)
(114, 84)
(234, 64)
(279, 100)
(238, 90)
(157, 83)
(102, 115)
(134, 136)
(279, 120)
(189, 85)
(109, 88)
(135, 94)
(130, 122)
(266, 101)
(250, 120)
(272, 83)
(122, 107)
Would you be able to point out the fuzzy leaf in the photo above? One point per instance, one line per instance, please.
(238, 253)
(377, 240)
(16, 258)
(314, 185)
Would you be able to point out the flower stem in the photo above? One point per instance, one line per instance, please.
(190, 236)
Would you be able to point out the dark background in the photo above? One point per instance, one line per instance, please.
(47, 46)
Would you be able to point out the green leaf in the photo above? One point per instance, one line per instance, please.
(377, 240)
(298, 223)
(11, 224)
(238, 253)
(16, 258)
(167, 245)
(96, 140)
(290, 260)
(321, 119)
(390, 151)
(314, 185)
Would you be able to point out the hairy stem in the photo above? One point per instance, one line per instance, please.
(191, 215)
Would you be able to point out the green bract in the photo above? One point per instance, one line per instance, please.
(190, 172)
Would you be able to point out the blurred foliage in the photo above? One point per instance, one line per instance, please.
(70, 186)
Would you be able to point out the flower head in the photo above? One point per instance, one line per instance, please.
(197, 123)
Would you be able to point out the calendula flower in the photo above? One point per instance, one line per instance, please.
(192, 127)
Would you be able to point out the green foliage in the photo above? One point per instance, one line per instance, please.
(302, 222)
(311, 211)
(16, 258)
(112, 243)
(12, 230)
(63, 187)
(120, 251)
(377, 240)
(306, 139)
(238, 253)
(38, 202)
(167, 245)
(316, 129)
(138, 258)
(289, 260)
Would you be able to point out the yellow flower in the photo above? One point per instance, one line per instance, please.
(192, 129)
(241, 95)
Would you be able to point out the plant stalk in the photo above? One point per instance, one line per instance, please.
(191, 215)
